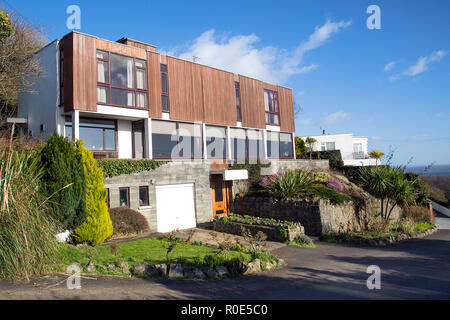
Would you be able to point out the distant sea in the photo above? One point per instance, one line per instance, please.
(437, 170)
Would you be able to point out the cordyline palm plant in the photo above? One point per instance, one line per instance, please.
(389, 185)
(288, 184)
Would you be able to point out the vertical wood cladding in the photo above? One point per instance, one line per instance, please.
(218, 96)
(84, 66)
(154, 85)
(252, 103)
(287, 121)
(185, 90)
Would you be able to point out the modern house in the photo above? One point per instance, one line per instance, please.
(126, 100)
(354, 150)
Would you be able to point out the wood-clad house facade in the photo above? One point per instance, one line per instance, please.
(135, 88)
(126, 100)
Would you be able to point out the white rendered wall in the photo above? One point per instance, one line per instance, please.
(41, 107)
(343, 142)
(124, 143)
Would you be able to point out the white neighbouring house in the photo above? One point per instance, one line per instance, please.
(354, 150)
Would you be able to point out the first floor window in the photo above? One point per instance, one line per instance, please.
(286, 147)
(216, 142)
(97, 134)
(271, 107)
(124, 197)
(164, 139)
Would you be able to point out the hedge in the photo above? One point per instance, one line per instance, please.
(116, 167)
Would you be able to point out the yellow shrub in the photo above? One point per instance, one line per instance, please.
(98, 225)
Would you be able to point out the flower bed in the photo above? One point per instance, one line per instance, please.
(274, 230)
(373, 239)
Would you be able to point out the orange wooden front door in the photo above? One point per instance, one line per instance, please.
(220, 195)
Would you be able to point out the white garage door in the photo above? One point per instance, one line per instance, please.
(175, 207)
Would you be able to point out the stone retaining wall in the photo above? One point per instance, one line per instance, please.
(317, 217)
(273, 233)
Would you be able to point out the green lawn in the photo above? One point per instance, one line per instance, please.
(152, 251)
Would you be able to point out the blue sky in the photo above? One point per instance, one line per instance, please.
(392, 85)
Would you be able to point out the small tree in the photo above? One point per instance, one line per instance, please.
(389, 185)
(300, 147)
(377, 154)
(98, 225)
(19, 67)
(310, 142)
(64, 181)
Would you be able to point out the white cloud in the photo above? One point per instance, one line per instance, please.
(240, 54)
(334, 118)
(395, 77)
(389, 66)
(423, 62)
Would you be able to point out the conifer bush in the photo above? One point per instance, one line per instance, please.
(63, 182)
(98, 225)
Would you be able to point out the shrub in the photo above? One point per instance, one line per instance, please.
(300, 147)
(418, 214)
(64, 181)
(254, 173)
(98, 225)
(321, 177)
(27, 230)
(335, 184)
(323, 192)
(116, 167)
(127, 221)
(289, 184)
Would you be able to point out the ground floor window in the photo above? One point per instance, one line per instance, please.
(97, 134)
(143, 196)
(124, 197)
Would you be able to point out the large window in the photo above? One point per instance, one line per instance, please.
(238, 102)
(246, 143)
(165, 140)
(122, 81)
(238, 143)
(216, 142)
(286, 147)
(190, 141)
(172, 140)
(98, 134)
(271, 107)
(255, 144)
(164, 88)
(279, 145)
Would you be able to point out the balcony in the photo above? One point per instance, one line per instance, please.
(360, 155)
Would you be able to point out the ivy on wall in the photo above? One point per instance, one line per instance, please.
(116, 167)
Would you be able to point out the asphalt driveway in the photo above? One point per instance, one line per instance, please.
(415, 269)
